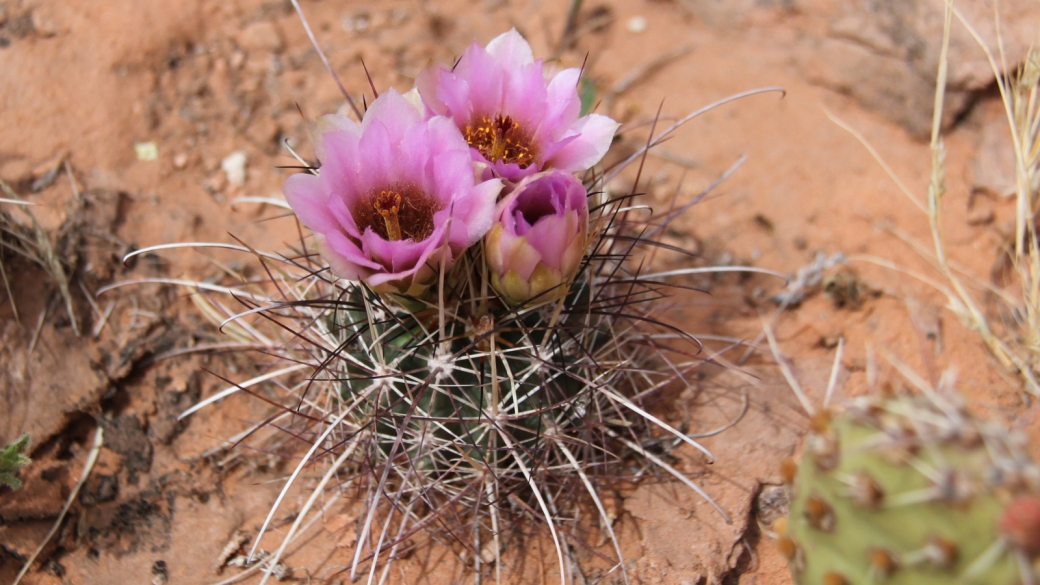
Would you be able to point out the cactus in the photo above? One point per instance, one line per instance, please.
(473, 353)
(458, 411)
(445, 398)
(911, 490)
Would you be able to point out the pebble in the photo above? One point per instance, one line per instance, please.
(146, 150)
(180, 161)
(238, 58)
(636, 24)
(45, 22)
(215, 184)
(663, 192)
(994, 166)
(261, 36)
(234, 166)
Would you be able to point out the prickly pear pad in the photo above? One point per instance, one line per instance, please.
(908, 491)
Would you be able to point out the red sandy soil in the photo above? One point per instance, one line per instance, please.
(84, 82)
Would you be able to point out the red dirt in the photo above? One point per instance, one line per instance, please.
(84, 82)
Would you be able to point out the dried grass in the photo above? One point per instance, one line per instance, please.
(1014, 342)
(32, 244)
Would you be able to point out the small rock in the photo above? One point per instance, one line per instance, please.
(993, 169)
(398, 16)
(146, 150)
(215, 184)
(180, 161)
(636, 24)
(45, 22)
(160, 575)
(663, 192)
(261, 36)
(238, 58)
(981, 216)
(358, 23)
(846, 289)
(764, 222)
(618, 187)
(830, 340)
(234, 166)
(487, 553)
(772, 502)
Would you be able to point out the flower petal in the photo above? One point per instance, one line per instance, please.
(342, 210)
(332, 123)
(304, 194)
(563, 103)
(394, 112)
(485, 81)
(344, 257)
(339, 169)
(376, 158)
(472, 215)
(552, 235)
(427, 83)
(594, 135)
(525, 96)
(511, 50)
(403, 259)
(510, 253)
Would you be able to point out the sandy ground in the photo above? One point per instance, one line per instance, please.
(82, 84)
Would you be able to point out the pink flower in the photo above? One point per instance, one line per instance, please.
(538, 239)
(395, 197)
(510, 116)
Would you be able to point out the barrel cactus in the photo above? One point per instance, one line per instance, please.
(911, 490)
(466, 336)
(484, 393)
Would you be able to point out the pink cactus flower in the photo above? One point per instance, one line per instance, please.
(395, 198)
(536, 244)
(510, 116)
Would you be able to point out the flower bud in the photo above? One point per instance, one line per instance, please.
(536, 244)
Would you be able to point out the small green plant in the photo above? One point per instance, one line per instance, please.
(12, 458)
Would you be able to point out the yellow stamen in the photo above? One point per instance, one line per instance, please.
(500, 139)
